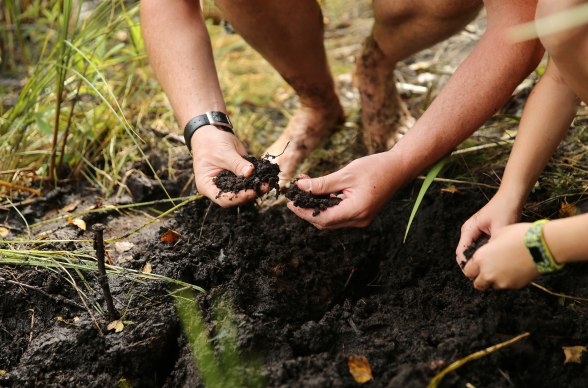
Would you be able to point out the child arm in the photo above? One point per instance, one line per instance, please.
(548, 114)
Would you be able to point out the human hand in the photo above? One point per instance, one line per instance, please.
(213, 151)
(500, 211)
(364, 188)
(504, 262)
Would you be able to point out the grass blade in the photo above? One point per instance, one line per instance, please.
(428, 180)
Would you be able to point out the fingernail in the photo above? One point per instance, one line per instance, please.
(246, 169)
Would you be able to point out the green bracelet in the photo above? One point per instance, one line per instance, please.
(539, 250)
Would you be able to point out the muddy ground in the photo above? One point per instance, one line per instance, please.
(303, 301)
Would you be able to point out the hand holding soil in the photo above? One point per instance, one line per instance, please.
(500, 211)
(365, 187)
(214, 151)
(504, 262)
(263, 179)
(304, 199)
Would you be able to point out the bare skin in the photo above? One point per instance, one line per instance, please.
(401, 29)
(384, 115)
(505, 262)
(289, 34)
(468, 99)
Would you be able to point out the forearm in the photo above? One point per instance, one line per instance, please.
(180, 54)
(548, 114)
(478, 88)
(567, 238)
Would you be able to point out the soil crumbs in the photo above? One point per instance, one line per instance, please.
(265, 173)
(305, 199)
(302, 301)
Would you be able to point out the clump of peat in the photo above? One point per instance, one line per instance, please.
(469, 251)
(305, 199)
(265, 173)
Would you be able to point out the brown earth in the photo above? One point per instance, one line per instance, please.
(303, 301)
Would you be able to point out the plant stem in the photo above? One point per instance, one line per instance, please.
(102, 278)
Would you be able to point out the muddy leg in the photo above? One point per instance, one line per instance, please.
(289, 34)
(401, 29)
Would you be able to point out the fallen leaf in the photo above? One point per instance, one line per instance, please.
(123, 246)
(171, 236)
(71, 207)
(77, 222)
(3, 372)
(124, 383)
(147, 268)
(4, 231)
(124, 259)
(117, 326)
(360, 368)
(567, 210)
(573, 353)
(450, 189)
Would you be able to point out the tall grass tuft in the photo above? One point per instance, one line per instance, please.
(76, 114)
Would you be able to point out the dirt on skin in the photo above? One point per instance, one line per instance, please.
(303, 301)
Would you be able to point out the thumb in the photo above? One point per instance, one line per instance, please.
(241, 166)
(322, 185)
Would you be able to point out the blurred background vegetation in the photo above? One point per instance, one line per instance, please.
(78, 101)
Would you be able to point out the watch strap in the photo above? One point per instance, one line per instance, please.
(219, 119)
(539, 250)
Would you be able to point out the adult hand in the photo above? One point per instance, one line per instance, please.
(364, 186)
(213, 151)
(502, 210)
(504, 262)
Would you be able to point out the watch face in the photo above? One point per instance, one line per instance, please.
(219, 118)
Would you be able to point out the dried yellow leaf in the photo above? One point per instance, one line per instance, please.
(123, 246)
(77, 222)
(573, 353)
(567, 210)
(3, 372)
(4, 232)
(71, 207)
(147, 268)
(360, 368)
(450, 189)
(117, 326)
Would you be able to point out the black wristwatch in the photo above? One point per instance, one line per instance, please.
(218, 119)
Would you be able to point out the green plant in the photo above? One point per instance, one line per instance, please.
(71, 119)
(217, 359)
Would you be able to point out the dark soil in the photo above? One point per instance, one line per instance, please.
(469, 251)
(265, 176)
(308, 200)
(303, 301)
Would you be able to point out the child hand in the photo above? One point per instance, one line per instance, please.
(499, 212)
(504, 262)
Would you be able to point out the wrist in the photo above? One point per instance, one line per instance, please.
(539, 249)
(205, 132)
(512, 194)
(217, 119)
